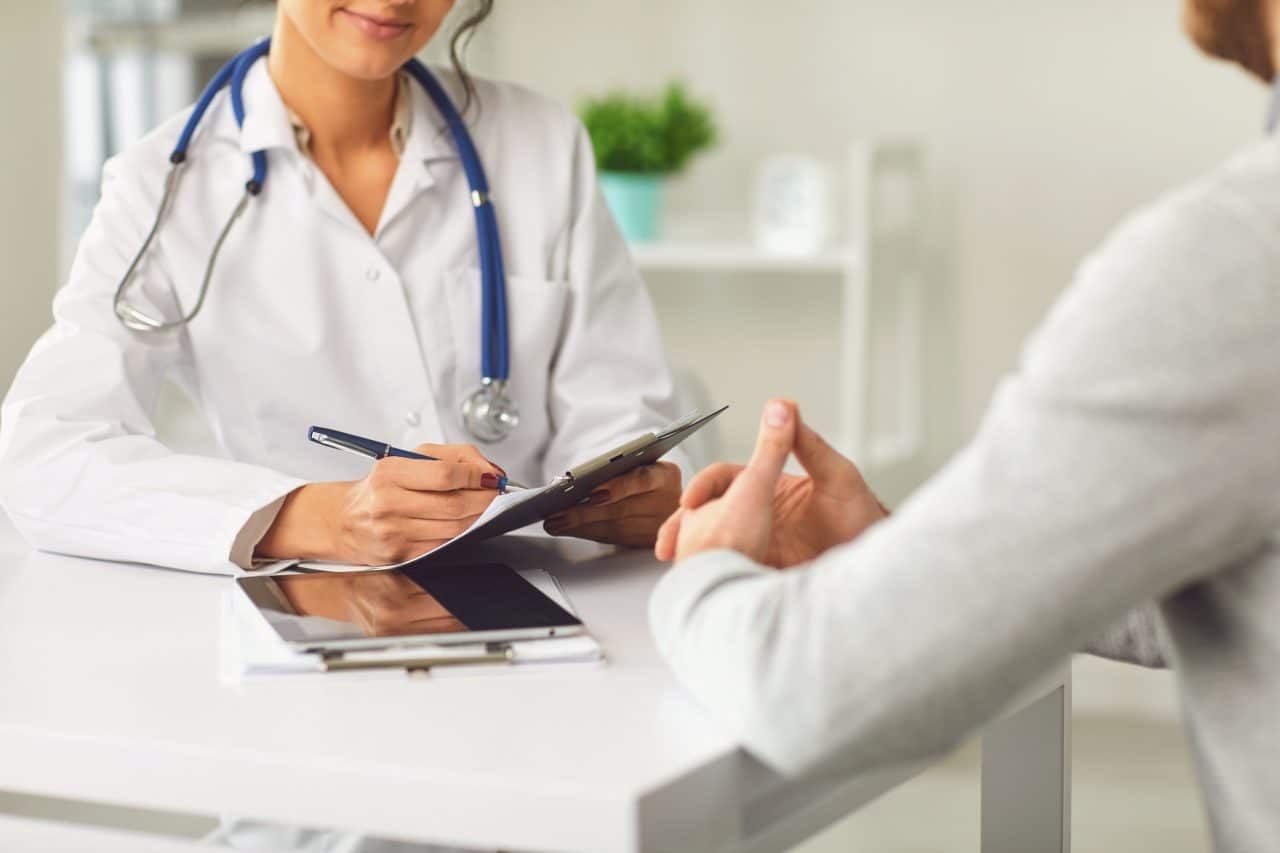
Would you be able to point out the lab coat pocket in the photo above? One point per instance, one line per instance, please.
(536, 311)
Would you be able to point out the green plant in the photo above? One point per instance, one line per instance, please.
(649, 135)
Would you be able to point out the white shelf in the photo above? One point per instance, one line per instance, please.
(735, 256)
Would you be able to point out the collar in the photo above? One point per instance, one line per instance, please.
(428, 145)
(401, 121)
(267, 120)
(429, 138)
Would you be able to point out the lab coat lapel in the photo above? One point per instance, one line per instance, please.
(382, 295)
(428, 149)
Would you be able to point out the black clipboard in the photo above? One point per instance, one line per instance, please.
(575, 485)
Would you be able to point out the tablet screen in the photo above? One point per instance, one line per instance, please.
(443, 603)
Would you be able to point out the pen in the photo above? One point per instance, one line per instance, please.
(361, 446)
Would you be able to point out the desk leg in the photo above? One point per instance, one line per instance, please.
(1026, 778)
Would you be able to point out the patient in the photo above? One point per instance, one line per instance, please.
(1131, 464)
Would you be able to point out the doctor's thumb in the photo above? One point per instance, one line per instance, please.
(776, 438)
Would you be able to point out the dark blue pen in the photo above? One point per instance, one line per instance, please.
(361, 446)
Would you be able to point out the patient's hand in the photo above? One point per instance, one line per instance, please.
(774, 518)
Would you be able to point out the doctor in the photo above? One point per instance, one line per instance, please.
(347, 292)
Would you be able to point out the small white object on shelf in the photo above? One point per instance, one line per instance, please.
(792, 213)
(879, 263)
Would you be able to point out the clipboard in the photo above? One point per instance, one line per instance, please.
(572, 487)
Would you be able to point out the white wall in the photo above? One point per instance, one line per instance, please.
(30, 176)
(1045, 123)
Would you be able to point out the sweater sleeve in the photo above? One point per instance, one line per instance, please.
(1130, 455)
(1133, 639)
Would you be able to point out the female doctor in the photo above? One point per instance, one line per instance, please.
(348, 292)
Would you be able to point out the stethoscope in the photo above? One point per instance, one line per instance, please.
(488, 414)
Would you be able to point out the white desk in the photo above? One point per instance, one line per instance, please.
(109, 693)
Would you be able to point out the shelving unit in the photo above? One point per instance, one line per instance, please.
(879, 268)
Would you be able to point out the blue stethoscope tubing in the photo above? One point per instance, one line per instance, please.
(489, 414)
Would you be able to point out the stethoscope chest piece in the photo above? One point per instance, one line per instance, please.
(489, 415)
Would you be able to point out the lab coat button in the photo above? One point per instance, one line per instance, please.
(372, 274)
(413, 419)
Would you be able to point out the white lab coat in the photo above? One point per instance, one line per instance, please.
(310, 320)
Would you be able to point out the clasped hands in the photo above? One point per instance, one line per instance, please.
(776, 519)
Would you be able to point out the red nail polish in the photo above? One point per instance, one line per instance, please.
(599, 497)
(488, 481)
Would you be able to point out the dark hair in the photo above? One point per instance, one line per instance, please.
(458, 46)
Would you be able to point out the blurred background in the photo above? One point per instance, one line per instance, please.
(896, 193)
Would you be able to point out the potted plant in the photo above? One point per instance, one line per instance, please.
(638, 142)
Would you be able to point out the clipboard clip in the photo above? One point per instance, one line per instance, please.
(635, 447)
(569, 479)
(418, 657)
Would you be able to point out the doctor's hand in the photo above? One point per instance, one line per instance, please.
(626, 511)
(403, 508)
(777, 519)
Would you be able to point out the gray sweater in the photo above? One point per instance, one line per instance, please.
(1133, 458)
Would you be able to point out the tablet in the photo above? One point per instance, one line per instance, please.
(446, 605)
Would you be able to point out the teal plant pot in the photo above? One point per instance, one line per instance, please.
(636, 202)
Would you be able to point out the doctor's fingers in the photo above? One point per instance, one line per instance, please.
(658, 477)
(397, 541)
(710, 483)
(631, 532)
(649, 504)
(423, 476)
(465, 453)
(434, 506)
